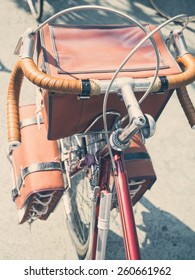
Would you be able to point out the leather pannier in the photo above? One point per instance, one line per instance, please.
(139, 168)
(37, 170)
(95, 52)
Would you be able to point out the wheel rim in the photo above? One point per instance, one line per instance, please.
(79, 218)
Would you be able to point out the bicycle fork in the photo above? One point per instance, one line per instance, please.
(101, 214)
(131, 243)
(102, 207)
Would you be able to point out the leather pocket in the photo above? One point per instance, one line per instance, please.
(37, 170)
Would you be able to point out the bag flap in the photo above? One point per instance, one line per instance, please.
(97, 51)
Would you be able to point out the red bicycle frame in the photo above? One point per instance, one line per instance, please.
(131, 243)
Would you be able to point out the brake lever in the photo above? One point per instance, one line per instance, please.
(176, 38)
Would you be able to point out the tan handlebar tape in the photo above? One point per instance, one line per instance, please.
(13, 95)
(54, 84)
(26, 67)
(187, 61)
(187, 105)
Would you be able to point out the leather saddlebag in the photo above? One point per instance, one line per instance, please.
(139, 168)
(95, 52)
(37, 170)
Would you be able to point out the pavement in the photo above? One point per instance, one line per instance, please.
(165, 216)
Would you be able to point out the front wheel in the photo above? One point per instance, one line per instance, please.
(78, 201)
(36, 8)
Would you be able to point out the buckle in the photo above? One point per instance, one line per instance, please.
(14, 194)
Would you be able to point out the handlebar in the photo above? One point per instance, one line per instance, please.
(26, 67)
(176, 81)
(84, 88)
(186, 105)
(60, 85)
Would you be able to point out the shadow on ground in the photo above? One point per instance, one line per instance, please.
(133, 8)
(165, 237)
(142, 10)
(3, 68)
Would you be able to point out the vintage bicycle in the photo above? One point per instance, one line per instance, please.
(84, 139)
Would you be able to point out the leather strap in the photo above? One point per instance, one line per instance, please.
(30, 121)
(35, 167)
(136, 156)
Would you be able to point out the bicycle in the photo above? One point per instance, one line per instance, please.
(95, 147)
(36, 8)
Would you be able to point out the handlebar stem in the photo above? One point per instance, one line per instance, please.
(134, 111)
(120, 138)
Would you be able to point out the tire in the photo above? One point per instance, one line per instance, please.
(159, 7)
(36, 8)
(77, 202)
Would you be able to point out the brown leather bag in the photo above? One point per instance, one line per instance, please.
(139, 168)
(95, 52)
(37, 170)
